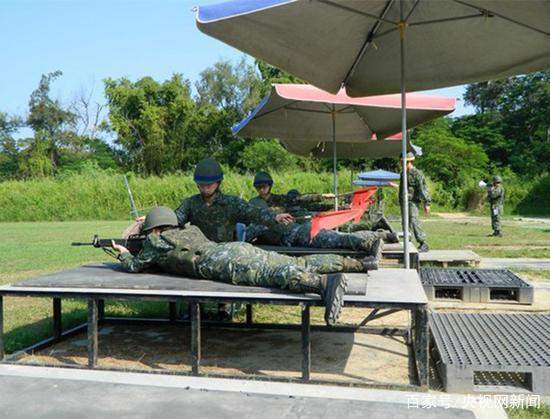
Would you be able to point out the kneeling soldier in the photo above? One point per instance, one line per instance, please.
(186, 251)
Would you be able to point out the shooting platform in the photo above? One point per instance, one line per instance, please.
(492, 352)
(446, 258)
(475, 285)
(387, 291)
(392, 253)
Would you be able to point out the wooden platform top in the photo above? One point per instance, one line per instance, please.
(393, 286)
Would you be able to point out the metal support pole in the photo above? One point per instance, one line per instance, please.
(421, 342)
(57, 324)
(405, 198)
(306, 343)
(334, 159)
(195, 337)
(92, 332)
(172, 310)
(101, 309)
(249, 314)
(1, 328)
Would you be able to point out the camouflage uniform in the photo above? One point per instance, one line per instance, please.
(417, 193)
(298, 235)
(218, 220)
(495, 196)
(296, 205)
(188, 252)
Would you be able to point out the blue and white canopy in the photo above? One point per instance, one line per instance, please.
(378, 175)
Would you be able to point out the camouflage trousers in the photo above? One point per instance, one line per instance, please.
(496, 212)
(331, 239)
(244, 264)
(414, 223)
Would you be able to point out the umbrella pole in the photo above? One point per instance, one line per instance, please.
(404, 189)
(334, 162)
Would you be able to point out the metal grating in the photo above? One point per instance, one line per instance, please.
(492, 278)
(492, 339)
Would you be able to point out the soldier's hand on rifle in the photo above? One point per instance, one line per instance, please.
(284, 218)
(119, 248)
(393, 184)
(140, 219)
(427, 209)
(328, 195)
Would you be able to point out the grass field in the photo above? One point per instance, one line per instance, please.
(30, 249)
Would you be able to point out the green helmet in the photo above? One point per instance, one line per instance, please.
(160, 217)
(497, 179)
(293, 194)
(263, 178)
(208, 171)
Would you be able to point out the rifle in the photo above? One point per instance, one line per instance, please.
(132, 243)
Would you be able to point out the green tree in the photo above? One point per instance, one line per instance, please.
(267, 155)
(50, 121)
(9, 150)
(448, 159)
(517, 112)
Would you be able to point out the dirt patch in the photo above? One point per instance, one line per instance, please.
(349, 357)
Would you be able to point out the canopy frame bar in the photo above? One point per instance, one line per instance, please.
(517, 22)
(358, 12)
(368, 41)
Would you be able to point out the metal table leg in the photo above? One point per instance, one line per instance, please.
(101, 309)
(421, 342)
(306, 342)
(249, 314)
(172, 309)
(92, 332)
(1, 328)
(57, 324)
(195, 336)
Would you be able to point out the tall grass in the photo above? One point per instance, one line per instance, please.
(101, 195)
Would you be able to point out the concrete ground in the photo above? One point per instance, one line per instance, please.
(515, 263)
(58, 393)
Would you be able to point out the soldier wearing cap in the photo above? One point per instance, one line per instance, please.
(418, 194)
(495, 196)
(188, 252)
(215, 213)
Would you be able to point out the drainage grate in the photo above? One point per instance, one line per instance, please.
(512, 380)
(492, 350)
(471, 277)
(476, 285)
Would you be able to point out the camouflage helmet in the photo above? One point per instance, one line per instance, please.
(263, 178)
(160, 217)
(293, 194)
(208, 171)
(497, 179)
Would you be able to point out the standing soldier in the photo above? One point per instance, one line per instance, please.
(418, 194)
(186, 251)
(495, 196)
(217, 214)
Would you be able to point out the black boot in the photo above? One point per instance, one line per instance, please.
(423, 247)
(376, 249)
(370, 263)
(331, 288)
(388, 236)
(385, 225)
(334, 288)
